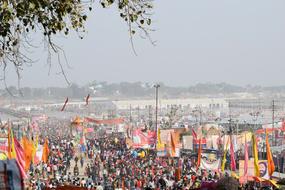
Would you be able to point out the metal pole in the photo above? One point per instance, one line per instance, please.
(200, 112)
(131, 113)
(273, 132)
(138, 113)
(156, 110)
(18, 132)
(237, 126)
(131, 120)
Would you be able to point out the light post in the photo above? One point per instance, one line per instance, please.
(156, 86)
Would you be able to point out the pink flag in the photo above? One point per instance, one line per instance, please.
(20, 157)
(245, 158)
(233, 161)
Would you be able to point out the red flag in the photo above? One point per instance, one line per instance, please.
(245, 158)
(87, 99)
(63, 107)
(199, 153)
(20, 157)
(233, 161)
(194, 134)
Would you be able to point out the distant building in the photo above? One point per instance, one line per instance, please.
(210, 103)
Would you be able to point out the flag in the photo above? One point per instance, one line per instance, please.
(35, 147)
(255, 156)
(172, 144)
(159, 144)
(20, 157)
(123, 183)
(178, 174)
(28, 147)
(194, 134)
(245, 158)
(45, 151)
(199, 153)
(225, 155)
(63, 107)
(11, 145)
(158, 136)
(83, 142)
(232, 152)
(87, 99)
(271, 166)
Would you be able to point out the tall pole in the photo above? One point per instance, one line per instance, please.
(200, 114)
(230, 118)
(237, 126)
(131, 114)
(273, 131)
(138, 113)
(156, 110)
(149, 117)
(131, 120)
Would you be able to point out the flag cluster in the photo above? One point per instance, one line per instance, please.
(25, 152)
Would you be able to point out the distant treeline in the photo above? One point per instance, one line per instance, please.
(137, 90)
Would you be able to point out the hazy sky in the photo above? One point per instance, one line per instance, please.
(235, 41)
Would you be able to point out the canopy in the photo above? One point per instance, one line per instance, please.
(77, 120)
(114, 121)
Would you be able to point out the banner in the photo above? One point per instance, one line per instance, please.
(188, 142)
(4, 145)
(263, 169)
(210, 161)
(115, 121)
(39, 153)
(143, 140)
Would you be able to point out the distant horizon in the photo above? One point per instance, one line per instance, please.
(152, 83)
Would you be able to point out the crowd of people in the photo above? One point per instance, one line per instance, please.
(107, 163)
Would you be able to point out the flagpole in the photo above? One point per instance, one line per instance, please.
(156, 110)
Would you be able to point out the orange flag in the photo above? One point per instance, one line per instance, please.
(45, 151)
(199, 154)
(28, 152)
(172, 145)
(271, 166)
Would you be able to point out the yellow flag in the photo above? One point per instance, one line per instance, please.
(224, 157)
(11, 145)
(159, 144)
(255, 155)
(158, 136)
(35, 147)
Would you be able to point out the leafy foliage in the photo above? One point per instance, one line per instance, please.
(20, 18)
